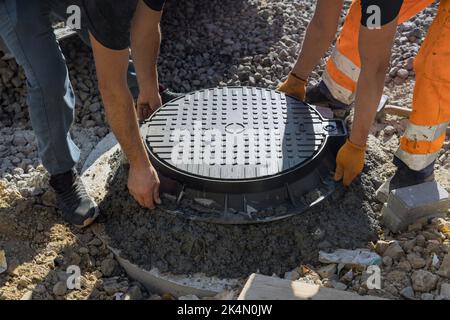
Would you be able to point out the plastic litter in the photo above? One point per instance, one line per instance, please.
(360, 257)
(435, 260)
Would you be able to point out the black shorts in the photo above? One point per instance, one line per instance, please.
(110, 21)
(389, 10)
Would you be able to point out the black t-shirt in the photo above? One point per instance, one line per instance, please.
(109, 21)
(388, 9)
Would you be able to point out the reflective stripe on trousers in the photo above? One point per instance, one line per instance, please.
(343, 67)
(430, 117)
(420, 145)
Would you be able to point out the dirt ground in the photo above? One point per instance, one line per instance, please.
(40, 247)
(178, 245)
(182, 246)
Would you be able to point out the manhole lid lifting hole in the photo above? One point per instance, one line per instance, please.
(243, 153)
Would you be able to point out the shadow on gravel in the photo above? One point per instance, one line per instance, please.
(204, 41)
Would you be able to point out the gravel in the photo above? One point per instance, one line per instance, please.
(254, 43)
(394, 251)
(424, 281)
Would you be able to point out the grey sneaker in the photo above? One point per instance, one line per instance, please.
(72, 199)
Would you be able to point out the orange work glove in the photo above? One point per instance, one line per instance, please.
(349, 162)
(294, 86)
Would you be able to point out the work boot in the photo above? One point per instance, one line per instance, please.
(406, 177)
(167, 95)
(72, 199)
(319, 95)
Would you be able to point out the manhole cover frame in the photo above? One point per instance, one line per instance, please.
(331, 143)
(245, 201)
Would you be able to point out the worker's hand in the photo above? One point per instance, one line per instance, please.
(294, 86)
(349, 162)
(148, 102)
(143, 184)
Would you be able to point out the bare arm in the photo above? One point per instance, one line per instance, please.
(145, 43)
(375, 47)
(143, 181)
(320, 34)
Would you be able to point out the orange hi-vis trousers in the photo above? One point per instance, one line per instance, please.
(430, 117)
(344, 65)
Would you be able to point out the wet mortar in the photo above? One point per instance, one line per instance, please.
(347, 219)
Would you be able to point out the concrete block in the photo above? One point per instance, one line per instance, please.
(407, 205)
(259, 287)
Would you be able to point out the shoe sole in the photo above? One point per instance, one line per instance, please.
(91, 220)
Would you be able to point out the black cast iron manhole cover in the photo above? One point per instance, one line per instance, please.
(242, 150)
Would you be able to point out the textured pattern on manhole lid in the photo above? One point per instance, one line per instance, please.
(234, 133)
